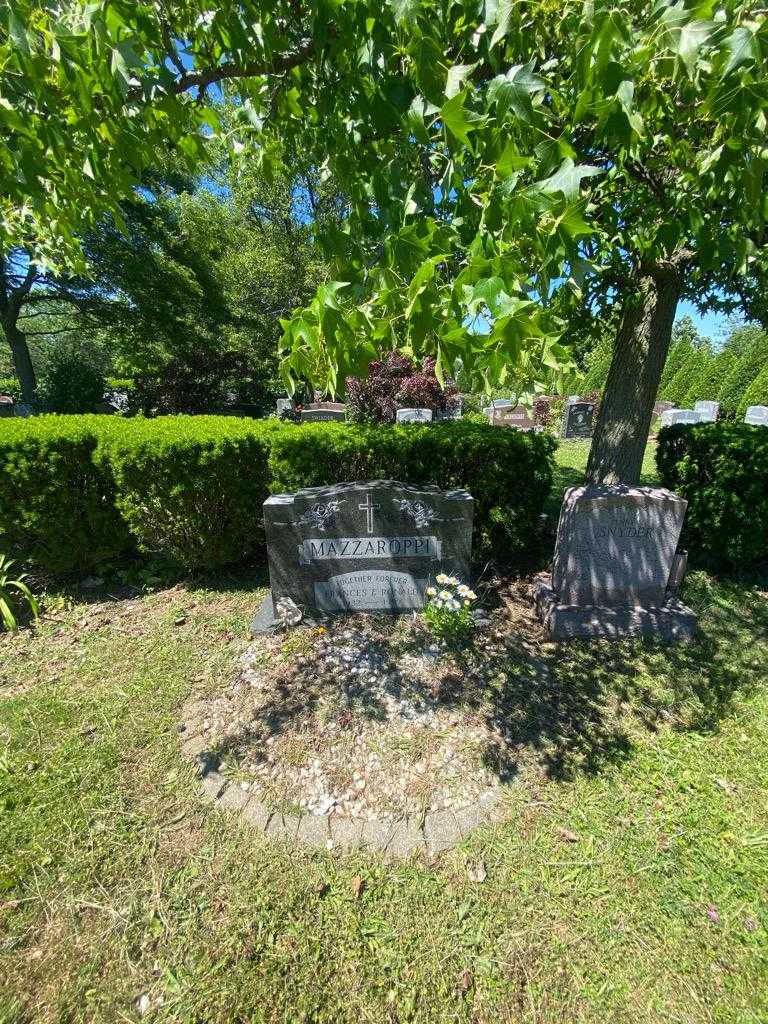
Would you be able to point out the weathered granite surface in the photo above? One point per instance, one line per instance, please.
(365, 546)
(322, 411)
(616, 567)
(671, 620)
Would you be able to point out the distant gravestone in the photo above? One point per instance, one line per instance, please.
(672, 416)
(6, 405)
(660, 408)
(413, 415)
(616, 569)
(708, 411)
(516, 416)
(320, 411)
(757, 415)
(362, 546)
(577, 419)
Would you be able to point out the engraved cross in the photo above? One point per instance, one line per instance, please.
(369, 508)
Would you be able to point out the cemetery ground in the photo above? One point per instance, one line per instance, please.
(627, 882)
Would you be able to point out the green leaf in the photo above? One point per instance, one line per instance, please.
(692, 37)
(6, 614)
(420, 279)
(567, 179)
(457, 75)
(510, 161)
(503, 18)
(18, 33)
(404, 9)
(515, 90)
(742, 46)
(457, 120)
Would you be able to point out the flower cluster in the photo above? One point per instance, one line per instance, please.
(448, 611)
(458, 596)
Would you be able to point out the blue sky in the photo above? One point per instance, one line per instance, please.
(711, 325)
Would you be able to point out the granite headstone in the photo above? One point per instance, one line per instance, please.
(660, 408)
(577, 419)
(318, 412)
(516, 416)
(413, 415)
(6, 405)
(369, 546)
(757, 415)
(672, 416)
(708, 411)
(616, 567)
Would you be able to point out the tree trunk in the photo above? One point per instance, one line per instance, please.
(22, 362)
(639, 354)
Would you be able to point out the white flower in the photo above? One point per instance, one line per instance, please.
(431, 591)
(455, 605)
(441, 578)
(445, 595)
(463, 590)
(453, 581)
(471, 595)
(437, 603)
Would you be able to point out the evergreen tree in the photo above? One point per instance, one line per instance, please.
(745, 369)
(755, 394)
(677, 388)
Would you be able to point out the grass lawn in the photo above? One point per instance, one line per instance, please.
(629, 883)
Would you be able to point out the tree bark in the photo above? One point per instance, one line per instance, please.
(22, 362)
(639, 354)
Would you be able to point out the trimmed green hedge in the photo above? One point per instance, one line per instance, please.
(508, 473)
(722, 470)
(57, 506)
(191, 487)
(76, 491)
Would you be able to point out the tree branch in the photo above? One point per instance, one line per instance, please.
(283, 62)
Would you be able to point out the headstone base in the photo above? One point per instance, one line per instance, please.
(670, 621)
(266, 620)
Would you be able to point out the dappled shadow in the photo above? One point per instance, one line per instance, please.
(568, 708)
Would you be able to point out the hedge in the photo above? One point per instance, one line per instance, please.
(508, 473)
(722, 470)
(76, 491)
(191, 487)
(57, 506)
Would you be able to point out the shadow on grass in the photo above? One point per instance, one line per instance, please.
(569, 708)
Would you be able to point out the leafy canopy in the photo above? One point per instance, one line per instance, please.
(495, 156)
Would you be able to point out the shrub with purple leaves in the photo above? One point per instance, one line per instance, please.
(541, 411)
(393, 383)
